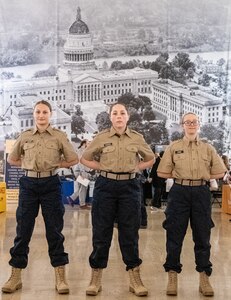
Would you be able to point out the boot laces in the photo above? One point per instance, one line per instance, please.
(13, 276)
(172, 278)
(95, 277)
(137, 278)
(61, 274)
(205, 281)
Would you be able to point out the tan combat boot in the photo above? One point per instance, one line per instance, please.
(60, 280)
(205, 287)
(172, 283)
(136, 285)
(14, 282)
(95, 285)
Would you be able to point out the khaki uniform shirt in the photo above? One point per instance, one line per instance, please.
(118, 153)
(41, 152)
(191, 160)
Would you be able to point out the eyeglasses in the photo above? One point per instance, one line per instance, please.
(189, 123)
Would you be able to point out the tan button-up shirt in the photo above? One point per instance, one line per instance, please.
(191, 160)
(41, 152)
(118, 153)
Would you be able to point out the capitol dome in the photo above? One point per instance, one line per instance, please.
(78, 48)
(78, 27)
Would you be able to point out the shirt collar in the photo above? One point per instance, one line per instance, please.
(49, 130)
(113, 132)
(187, 141)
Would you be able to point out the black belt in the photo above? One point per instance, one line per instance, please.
(44, 174)
(189, 182)
(118, 176)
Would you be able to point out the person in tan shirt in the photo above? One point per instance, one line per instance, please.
(40, 151)
(118, 153)
(192, 163)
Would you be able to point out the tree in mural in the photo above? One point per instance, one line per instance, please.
(176, 135)
(77, 121)
(214, 135)
(160, 62)
(138, 103)
(182, 61)
(103, 121)
(158, 134)
(168, 72)
(51, 71)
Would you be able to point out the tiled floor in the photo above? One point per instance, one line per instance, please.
(38, 277)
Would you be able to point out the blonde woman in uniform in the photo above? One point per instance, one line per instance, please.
(191, 163)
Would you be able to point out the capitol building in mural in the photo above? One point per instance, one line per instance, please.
(79, 81)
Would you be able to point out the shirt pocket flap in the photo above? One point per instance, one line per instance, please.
(28, 146)
(52, 145)
(179, 156)
(108, 149)
(131, 148)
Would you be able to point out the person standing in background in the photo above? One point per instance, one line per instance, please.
(227, 177)
(81, 172)
(158, 184)
(119, 153)
(40, 151)
(192, 163)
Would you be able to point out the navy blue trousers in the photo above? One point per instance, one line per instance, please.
(186, 203)
(121, 199)
(33, 193)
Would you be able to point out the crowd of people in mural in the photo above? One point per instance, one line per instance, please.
(117, 177)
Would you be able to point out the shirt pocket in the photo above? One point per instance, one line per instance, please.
(179, 161)
(29, 150)
(206, 161)
(131, 156)
(51, 151)
(108, 154)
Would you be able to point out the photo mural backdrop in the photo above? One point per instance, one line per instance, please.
(162, 58)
